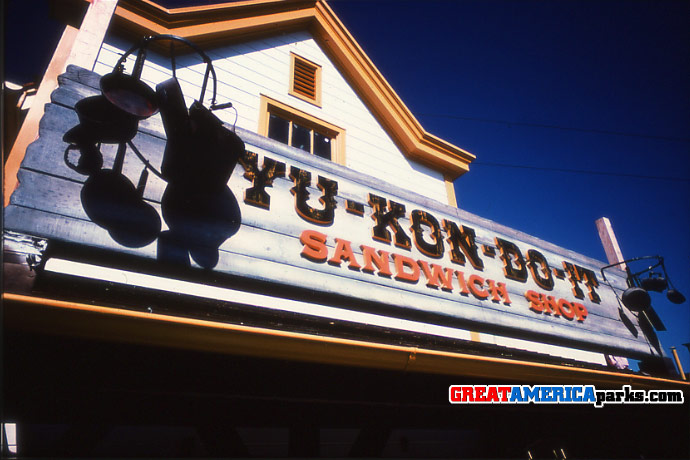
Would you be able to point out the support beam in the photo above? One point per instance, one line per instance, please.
(77, 46)
(613, 255)
(91, 33)
(29, 130)
(678, 364)
(450, 191)
(609, 241)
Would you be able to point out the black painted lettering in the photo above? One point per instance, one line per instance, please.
(540, 270)
(256, 195)
(576, 275)
(514, 266)
(463, 245)
(387, 219)
(329, 190)
(419, 220)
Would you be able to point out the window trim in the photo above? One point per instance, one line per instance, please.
(269, 105)
(317, 80)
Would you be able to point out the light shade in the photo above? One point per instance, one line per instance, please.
(636, 299)
(675, 296)
(654, 283)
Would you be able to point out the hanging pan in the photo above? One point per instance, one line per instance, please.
(128, 92)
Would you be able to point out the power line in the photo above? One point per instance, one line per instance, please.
(564, 128)
(581, 171)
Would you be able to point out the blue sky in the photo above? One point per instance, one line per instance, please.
(602, 87)
(533, 88)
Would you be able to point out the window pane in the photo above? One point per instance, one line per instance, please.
(278, 128)
(301, 137)
(322, 146)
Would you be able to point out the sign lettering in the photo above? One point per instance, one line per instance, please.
(429, 236)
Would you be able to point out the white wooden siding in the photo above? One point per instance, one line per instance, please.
(247, 70)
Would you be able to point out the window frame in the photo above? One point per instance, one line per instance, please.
(337, 134)
(317, 80)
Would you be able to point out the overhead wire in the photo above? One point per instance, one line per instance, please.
(564, 128)
(566, 170)
(581, 171)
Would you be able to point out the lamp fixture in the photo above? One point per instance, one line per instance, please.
(674, 296)
(637, 297)
(654, 282)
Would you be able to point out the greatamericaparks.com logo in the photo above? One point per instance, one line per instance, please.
(559, 394)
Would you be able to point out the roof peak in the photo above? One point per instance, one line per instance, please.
(222, 22)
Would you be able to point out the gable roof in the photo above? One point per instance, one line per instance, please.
(212, 25)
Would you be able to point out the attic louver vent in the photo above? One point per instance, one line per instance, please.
(305, 79)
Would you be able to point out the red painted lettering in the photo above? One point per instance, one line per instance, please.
(550, 305)
(314, 246)
(534, 302)
(475, 284)
(402, 262)
(566, 309)
(580, 311)
(499, 292)
(378, 258)
(343, 251)
(463, 283)
(437, 276)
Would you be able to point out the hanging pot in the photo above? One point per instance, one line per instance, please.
(127, 92)
(674, 296)
(655, 283)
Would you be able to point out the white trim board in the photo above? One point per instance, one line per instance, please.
(205, 291)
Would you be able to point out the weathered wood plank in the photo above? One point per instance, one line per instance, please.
(283, 200)
(61, 119)
(259, 243)
(90, 234)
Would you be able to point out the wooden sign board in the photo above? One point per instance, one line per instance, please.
(292, 219)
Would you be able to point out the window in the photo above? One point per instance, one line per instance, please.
(301, 130)
(305, 79)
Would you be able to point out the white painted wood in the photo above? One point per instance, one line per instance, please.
(280, 244)
(91, 234)
(269, 302)
(91, 33)
(206, 291)
(609, 241)
(613, 255)
(247, 70)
